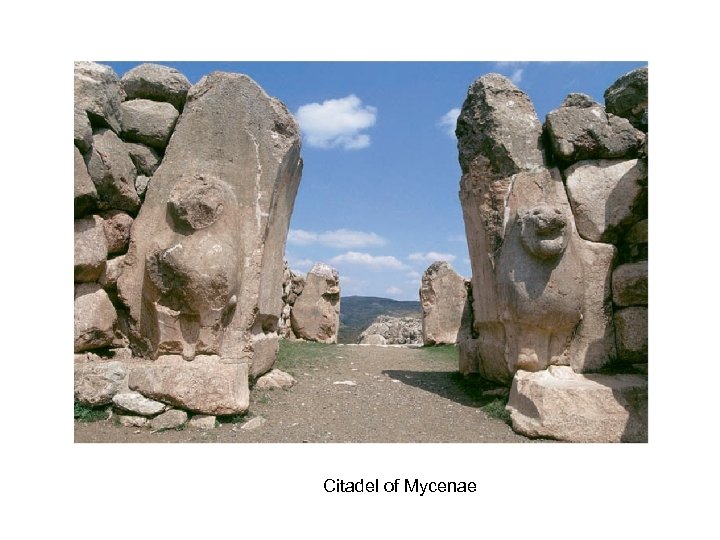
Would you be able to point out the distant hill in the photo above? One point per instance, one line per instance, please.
(358, 312)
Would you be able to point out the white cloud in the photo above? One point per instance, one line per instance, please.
(380, 262)
(339, 238)
(393, 290)
(514, 70)
(337, 123)
(516, 77)
(299, 237)
(431, 256)
(449, 121)
(413, 274)
(300, 265)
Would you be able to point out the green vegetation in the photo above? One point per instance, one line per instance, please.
(442, 353)
(84, 413)
(294, 356)
(474, 386)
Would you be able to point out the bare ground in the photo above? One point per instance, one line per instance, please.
(386, 395)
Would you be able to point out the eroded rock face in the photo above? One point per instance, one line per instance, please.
(98, 93)
(557, 403)
(603, 195)
(85, 193)
(90, 249)
(206, 387)
(112, 171)
(205, 261)
(316, 313)
(97, 382)
(95, 318)
(582, 129)
(445, 306)
(386, 330)
(532, 282)
(148, 122)
(628, 97)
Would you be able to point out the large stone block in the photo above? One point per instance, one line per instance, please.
(316, 313)
(559, 404)
(630, 284)
(207, 387)
(86, 196)
(444, 302)
(97, 382)
(95, 318)
(83, 130)
(146, 159)
(604, 195)
(148, 122)
(90, 249)
(112, 171)
(117, 230)
(156, 82)
(98, 92)
(581, 129)
(631, 329)
(628, 97)
(135, 403)
(204, 268)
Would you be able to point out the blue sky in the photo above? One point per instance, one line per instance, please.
(378, 198)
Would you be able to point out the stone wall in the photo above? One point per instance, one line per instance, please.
(556, 221)
(183, 196)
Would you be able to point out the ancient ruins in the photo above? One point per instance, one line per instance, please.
(183, 196)
(556, 222)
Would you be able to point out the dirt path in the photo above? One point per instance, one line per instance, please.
(351, 394)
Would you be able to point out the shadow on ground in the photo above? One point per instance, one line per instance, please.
(468, 390)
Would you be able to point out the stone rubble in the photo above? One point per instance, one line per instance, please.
(386, 330)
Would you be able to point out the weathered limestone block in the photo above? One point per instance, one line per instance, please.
(205, 260)
(98, 92)
(444, 301)
(83, 131)
(630, 284)
(534, 279)
(581, 129)
(207, 387)
(97, 382)
(275, 379)
(373, 339)
(559, 404)
(203, 421)
(393, 331)
(90, 249)
(156, 82)
(135, 403)
(148, 122)
(145, 159)
(112, 171)
(95, 318)
(117, 225)
(171, 419)
(316, 313)
(113, 269)
(628, 97)
(604, 195)
(86, 196)
(292, 287)
(631, 328)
